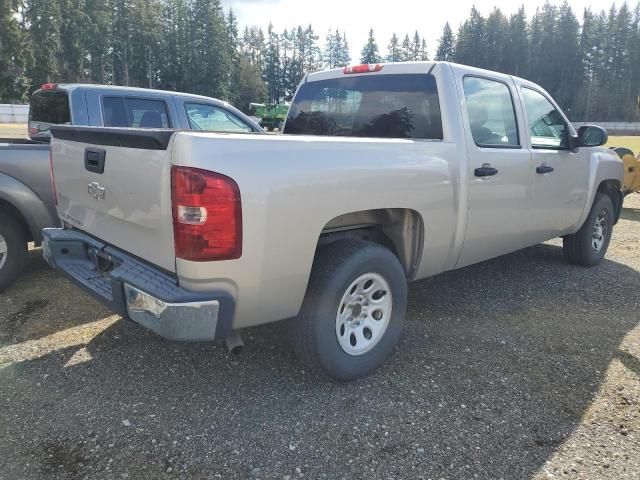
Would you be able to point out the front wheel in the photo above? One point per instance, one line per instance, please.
(354, 310)
(588, 246)
(13, 250)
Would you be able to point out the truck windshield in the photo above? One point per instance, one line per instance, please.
(50, 107)
(383, 106)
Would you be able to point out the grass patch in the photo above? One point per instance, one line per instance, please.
(632, 143)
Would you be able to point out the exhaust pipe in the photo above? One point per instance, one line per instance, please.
(234, 343)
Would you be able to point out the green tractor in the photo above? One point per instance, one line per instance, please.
(272, 116)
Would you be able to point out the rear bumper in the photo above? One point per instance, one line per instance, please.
(136, 290)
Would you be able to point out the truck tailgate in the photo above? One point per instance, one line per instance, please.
(115, 184)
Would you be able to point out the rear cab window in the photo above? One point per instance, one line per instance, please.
(378, 106)
(134, 112)
(48, 108)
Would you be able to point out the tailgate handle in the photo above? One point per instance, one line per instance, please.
(94, 159)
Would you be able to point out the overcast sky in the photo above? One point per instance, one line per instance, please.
(355, 17)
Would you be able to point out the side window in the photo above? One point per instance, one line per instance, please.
(114, 112)
(492, 117)
(214, 119)
(547, 128)
(134, 112)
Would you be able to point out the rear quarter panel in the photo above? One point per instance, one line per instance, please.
(25, 183)
(292, 186)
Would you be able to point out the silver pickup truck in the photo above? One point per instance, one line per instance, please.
(26, 199)
(385, 174)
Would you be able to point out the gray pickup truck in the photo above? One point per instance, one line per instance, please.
(26, 198)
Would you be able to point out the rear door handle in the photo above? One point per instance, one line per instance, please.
(485, 171)
(542, 169)
(94, 159)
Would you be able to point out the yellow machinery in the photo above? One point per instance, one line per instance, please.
(631, 182)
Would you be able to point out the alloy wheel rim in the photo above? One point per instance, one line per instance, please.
(599, 231)
(363, 314)
(3, 251)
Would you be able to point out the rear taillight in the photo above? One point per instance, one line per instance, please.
(366, 68)
(53, 181)
(49, 86)
(207, 215)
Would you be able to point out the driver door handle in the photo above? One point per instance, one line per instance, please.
(542, 169)
(485, 171)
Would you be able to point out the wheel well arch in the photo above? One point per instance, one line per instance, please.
(401, 230)
(612, 188)
(13, 212)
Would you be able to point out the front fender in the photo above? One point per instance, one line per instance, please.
(34, 212)
(604, 165)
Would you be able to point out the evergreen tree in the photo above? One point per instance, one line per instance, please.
(393, 50)
(272, 68)
(250, 87)
(634, 113)
(336, 51)
(370, 53)
(329, 53)
(405, 49)
(13, 81)
(44, 20)
(344, 57)
(516, 45)
(591, 66)
(446, 45)
(424, 53)
(470, 41)
(97, 40)
(416, 45)
(313, 54)
(72, 53)
(145, 42)
(253, 46)
(209, 67)
(121, 44)
(175, 45)
(495, 40)
(566, 58)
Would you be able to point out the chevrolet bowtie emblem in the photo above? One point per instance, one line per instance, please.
(96, 191)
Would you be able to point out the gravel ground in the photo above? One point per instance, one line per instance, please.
(520, 367)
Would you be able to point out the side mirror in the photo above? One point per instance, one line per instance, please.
(592, 136)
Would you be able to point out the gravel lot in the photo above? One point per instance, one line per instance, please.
(520, 367)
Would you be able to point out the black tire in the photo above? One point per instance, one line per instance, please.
(15, 238)
(580, 248)
(313, 332)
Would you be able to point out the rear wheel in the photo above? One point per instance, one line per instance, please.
(588, 246)
(354, 310)
(13, 250)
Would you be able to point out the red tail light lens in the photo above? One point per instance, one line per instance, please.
(49, 86)
(207, 215)
(53, 180)
(366, 68)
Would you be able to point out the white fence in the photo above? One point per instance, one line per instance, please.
(14, 113)
(620, 128)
